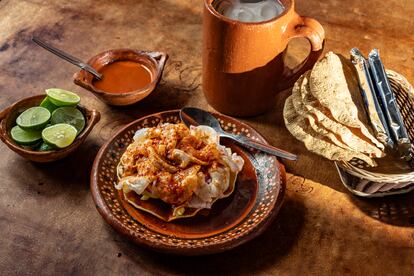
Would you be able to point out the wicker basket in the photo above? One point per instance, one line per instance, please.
(387, 182)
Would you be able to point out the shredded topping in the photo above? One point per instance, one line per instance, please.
(181, 166)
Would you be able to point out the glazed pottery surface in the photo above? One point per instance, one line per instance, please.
(8, 120)
(243, 63)
(232, 221)
(154, 61)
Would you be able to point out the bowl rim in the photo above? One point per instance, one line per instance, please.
(107, 215)
(152, 56)
(5, 136)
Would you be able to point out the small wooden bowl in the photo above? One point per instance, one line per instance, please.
(8, 120)
(154, 61)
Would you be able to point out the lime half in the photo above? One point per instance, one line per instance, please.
(69, 115)
(34, 118)
(24, 137)
(62, 97)
(46, 103)
(60, 135)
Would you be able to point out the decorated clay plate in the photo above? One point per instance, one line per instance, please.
(232, 221)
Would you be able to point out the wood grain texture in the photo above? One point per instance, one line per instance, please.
(48, 222)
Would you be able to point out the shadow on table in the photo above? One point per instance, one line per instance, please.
(266, 250)
(69, 175)
(396, 210)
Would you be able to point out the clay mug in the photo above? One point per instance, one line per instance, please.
(243, 62)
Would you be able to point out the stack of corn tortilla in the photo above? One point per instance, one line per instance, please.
(326, 112)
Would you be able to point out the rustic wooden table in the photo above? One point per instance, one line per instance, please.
(48, 222)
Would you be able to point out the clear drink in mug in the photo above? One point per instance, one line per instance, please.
(249, 10)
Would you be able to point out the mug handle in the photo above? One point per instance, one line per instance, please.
(313, 31)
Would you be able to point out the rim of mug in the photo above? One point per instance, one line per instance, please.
(286, 3)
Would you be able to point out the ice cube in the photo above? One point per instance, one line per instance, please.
(270, 9)
(239, 12)
(245, 15)
(249, 11)
(230, 12)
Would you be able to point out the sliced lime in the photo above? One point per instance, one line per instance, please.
(34, 118)
(46, 103)
(69, 115)
(45, 147)
(60, 135)
(62, 97)
(24, 137)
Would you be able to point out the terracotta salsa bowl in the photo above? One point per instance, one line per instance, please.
(8, 120)
(154, 61)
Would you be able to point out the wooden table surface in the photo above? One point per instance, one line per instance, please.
(48, 221)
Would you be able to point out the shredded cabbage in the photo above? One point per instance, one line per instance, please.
(133, 183)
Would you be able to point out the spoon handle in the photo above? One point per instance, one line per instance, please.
(262, 147)
(67, 57)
